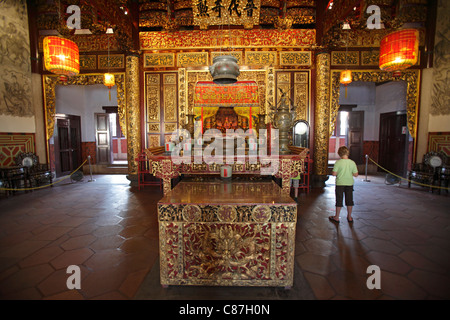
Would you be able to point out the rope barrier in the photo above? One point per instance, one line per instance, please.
(47, 185)
(418, 183)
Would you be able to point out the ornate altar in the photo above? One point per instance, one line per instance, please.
(227, 234)
(239, 233)
(222, 107)
(285, 167)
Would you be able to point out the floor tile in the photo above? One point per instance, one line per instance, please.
(110, 231)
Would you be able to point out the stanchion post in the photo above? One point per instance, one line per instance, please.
(90, 169)
(367, 162)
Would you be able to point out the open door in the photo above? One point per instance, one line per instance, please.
(103, 138)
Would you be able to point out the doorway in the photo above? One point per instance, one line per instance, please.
(67, 144)
(348, 131)
(393, 151)
(118, 140)
(111, 143)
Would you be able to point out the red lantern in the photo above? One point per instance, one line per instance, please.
(61, 56)
(399, 50)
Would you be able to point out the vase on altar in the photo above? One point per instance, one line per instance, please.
(283, 120)
(189, 126)
(261, 121)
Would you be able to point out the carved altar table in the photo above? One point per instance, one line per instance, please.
(287, 166)
(227, 234)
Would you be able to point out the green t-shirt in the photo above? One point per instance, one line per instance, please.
(345, 169)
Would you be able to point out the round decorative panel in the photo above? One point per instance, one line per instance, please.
(226, 213)
(191, 213)
(261, 213)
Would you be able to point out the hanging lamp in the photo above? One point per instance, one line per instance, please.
(109, 81)
(399, 50)
(225, 68)
(108, 78)
(61, 56)
(346, 75)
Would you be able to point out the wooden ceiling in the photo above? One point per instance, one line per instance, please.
(128, 17)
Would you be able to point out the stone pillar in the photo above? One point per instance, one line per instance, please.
(321, 119)
(133, 114)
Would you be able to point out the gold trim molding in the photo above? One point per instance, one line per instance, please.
(50, 82)
(322, 114)
(412, 78)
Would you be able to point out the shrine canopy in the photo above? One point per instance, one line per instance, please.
(241, 95)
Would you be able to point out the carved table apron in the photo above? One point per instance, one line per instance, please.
(286, 167)
(227, 234)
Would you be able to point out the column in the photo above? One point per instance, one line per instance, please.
(133, 113)
(321, 119)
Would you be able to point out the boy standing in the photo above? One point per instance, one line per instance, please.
(344, 169)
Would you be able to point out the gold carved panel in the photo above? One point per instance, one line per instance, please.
(284, 77)
(170, 127)
(170, 79)
(214, 13)
(370, 58)
(182, 96)
(88, 62)
(270, 93)
(298, 85)
(236, 54)
(170, 96)
(301, 95)
(255, 38)
(170, 103)
(114, 61)
(153, 128)
(159, 60)
(261, 58)
(295, 58)
(343, 58)
(153, 97)
(192, 59)
(153, 140)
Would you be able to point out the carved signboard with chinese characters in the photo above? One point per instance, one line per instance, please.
(226, 12)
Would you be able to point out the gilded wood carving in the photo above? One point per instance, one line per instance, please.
(227, 244)
(50, 82)
(322, 114)
(412, 77)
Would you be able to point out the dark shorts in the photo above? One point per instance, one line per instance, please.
(348, 191)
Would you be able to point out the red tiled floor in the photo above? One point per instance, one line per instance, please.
(110, 230)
